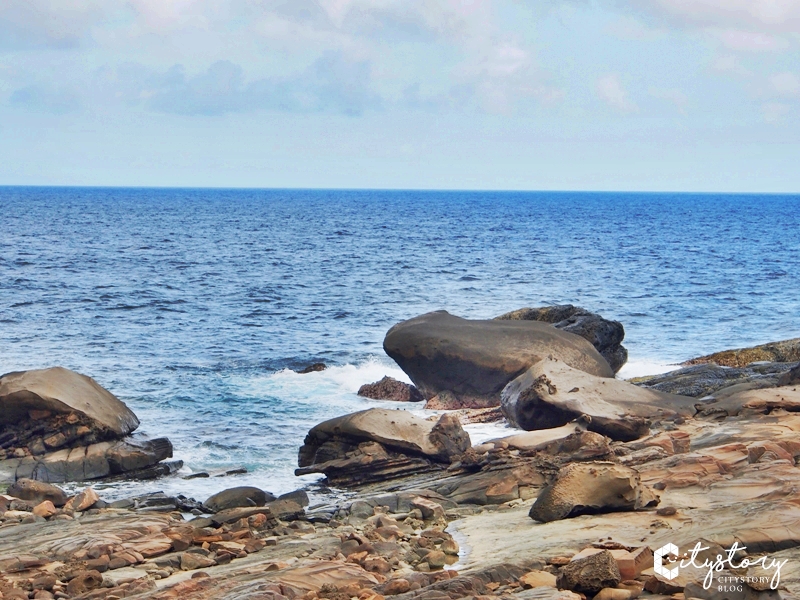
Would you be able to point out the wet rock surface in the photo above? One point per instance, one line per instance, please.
(389, 388)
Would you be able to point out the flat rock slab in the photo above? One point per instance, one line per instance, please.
(475, 359)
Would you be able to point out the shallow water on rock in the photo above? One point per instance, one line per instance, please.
(193, 306)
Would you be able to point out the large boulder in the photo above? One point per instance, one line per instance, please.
(37, 492)
(48, 409)
(605, 335)
(394, 429)
(591, 488)
(476, 359)
(551, 394)
(782, 352)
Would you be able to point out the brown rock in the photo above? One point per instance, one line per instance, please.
(191, 561)
(784, 351)
(614, 594)
(389, 388)
(534, 579)
(45, 509)
(592, 487)
(436, 559)
(238, 497)
(83, 501)
(396, 586)
(37, 491)
(84, 582)
(590, 574)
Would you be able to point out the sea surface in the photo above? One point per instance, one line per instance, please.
(194, 306)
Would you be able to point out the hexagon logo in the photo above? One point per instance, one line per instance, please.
(658, 562)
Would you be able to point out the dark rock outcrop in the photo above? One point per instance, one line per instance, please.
(476, 359)
(551, 394)
(605, 335)
(708, 379)
(591, 488)
(790, 378)
(37, 492)
(238, 497)
(315, 368)
(786, 351)
(389, 388)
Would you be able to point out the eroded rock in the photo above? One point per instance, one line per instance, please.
(590, 488)
(389, 388)
(475, 359)
(551, 394)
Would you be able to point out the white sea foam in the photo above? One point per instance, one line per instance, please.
(642, 368)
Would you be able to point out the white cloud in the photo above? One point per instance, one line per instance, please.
(611, 91)
(764, 15)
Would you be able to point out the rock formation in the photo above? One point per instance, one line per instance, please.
(590, 488)
(57, 426)
(476, 359)
(786, 351)
(605, 335)
(551, 393)
(389, 388)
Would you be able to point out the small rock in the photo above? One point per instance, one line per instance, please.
(536, 579)
(45, 509)
(83, 501)
(191, 561)
(667, 511)
(613, 594)
(590, 574)
(313, 368)
(37, 491)
(436, 559)
(396, 586)
(389, 388)
(84, 582)
(238, 497)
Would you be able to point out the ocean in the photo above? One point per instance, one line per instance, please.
(195, 306)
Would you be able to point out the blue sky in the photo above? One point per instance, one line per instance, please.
(686, 95)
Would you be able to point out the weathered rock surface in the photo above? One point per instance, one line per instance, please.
(50, 396)
(551, 394)
(790, 378)
(605, 335)
(85, 463)
(589, 488)
(238, 497)
(590, 574)
(476, 359)
(37, 492)
(389, 388)
(708, 379)
(394, 429)
(786, 351)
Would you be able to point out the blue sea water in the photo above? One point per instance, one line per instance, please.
(194, 305)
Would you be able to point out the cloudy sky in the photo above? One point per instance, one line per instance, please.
(457, 94)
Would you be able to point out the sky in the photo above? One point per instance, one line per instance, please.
(638, 95)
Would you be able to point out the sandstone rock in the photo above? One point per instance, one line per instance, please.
(786, 351)
(605, 335)
(45, 509)
(84, 582)
(191, 561)
(396, 586)
(614, 594)
(36, 491)
(389, 388)
(475, 359)
(58, 391)
(238, 497)
(535, 579)
(83, 501)
(589, 488)
(591, 574)
(395, 429)
(130, 455)
(551, 394)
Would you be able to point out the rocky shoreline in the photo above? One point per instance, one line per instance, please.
(581, 502)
